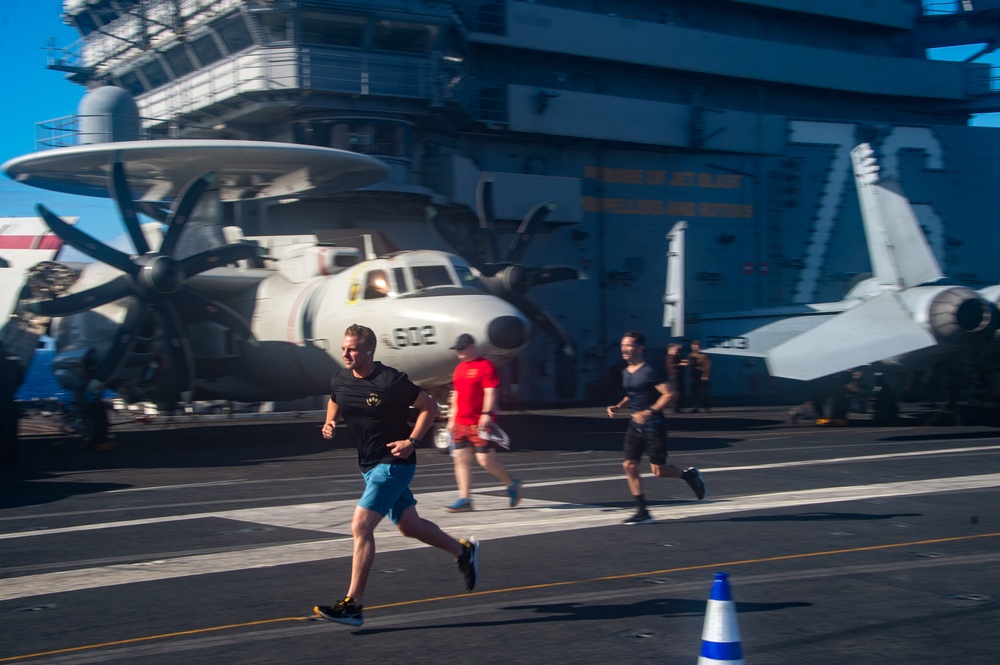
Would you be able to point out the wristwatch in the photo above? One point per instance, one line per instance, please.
(414, 441)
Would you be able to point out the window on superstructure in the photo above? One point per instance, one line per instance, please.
(84, 22)
(206, 50)
(276, 26)
(234, 33)
(131, 82)
(402, 36)
(105, 12)
(179, 60)
(155, 73)
(332, 29)
(371, 137)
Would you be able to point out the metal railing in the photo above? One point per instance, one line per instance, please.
(307, 71)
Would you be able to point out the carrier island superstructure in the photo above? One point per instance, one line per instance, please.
(736, 116)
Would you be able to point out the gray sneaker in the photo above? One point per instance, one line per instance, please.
(692, 477)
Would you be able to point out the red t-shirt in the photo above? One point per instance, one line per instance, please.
(470, 381)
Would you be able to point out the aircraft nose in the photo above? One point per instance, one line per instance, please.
(507, 332)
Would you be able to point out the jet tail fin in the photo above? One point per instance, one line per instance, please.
(673, 299)
(899, 252)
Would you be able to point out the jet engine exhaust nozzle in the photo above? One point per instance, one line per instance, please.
(959, 314)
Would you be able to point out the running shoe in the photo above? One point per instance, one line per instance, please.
(641, 517)
(514, 492)
(460, 506)
(345, 612)
(692, 477)
(468, 563)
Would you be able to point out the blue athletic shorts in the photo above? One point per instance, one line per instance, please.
(387, 490)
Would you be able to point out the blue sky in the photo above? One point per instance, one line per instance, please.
(40, 94)
(36, 94)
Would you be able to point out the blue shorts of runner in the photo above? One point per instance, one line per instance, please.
(387, 490)
(649, 441)
(463, 436)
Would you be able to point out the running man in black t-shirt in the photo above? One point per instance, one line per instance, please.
(374, 400)
(648, 394)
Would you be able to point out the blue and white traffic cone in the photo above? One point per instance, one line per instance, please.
(720, 638)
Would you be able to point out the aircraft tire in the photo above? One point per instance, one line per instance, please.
(92, 423)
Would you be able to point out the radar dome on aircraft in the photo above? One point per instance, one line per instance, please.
(108, 114)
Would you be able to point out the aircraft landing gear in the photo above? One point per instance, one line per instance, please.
(90, 420)
(885, 409)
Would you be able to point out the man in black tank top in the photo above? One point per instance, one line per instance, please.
(647, 393)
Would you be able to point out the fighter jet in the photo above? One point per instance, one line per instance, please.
(907, 317)
(198, 311)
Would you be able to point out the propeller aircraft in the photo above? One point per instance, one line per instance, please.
(199, 311)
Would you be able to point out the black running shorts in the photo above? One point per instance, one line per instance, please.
(649, 441)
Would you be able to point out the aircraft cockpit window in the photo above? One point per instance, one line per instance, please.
(376, 285)
(425, 277)
(466, 278)
(400, 276)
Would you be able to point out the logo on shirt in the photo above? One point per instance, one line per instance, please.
(373, 400)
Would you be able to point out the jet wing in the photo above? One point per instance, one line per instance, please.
(877, 329)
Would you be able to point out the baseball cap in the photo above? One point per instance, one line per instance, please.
(462, 341)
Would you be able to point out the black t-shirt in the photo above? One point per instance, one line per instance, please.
(640, 387)
(375, 409)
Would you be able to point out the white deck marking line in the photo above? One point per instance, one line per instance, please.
(336, 522)
(492, 521)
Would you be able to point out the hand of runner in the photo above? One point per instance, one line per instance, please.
(401, 449)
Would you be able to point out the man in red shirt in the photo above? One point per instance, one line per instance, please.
(473, 400)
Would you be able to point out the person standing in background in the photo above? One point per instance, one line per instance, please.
(701, 368)
(11, 377)
(676, 364)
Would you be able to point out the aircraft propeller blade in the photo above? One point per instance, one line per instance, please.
(152, 211)
(82, 301)
(526, 230)
(178, 349)
(123, 198)
(116, 356)
(484, 212)
(217, 257)
(181, 212)
(84, 242)
(550, 274)
(203, 307)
